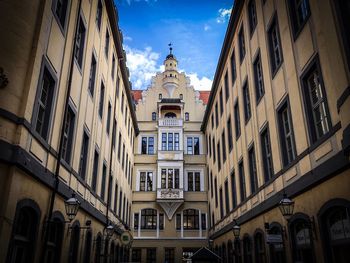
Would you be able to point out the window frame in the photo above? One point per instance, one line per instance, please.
(259, 91)
(63, 27)
(293, 17)
(273, 24)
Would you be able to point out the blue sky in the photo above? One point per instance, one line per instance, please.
(196, 28)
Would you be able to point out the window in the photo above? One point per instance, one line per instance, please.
(170, 178)
(146, 181)
(119, 145)
(169, 255)
(102, 97)
(120, 202)
(108, 125)
(123, 157)
(252, 171)
(286, 134)
(74, 244)
(219, 157)
(241, 44)
(229, 134)
(223, 146)
(316, 103)
(233, 190)
(211, 184)
(87, 247)
(83, 155)
(242, 186)
(187, 116)
(147, 145)
(136, 221)
(135, 255)
(170, 141)
(194, 181)
(117, 85)
(246, 100)
(113, 66)
(300, 12)
(151, 255)
(275, 46)
(114, 133)
(148, 219)
(122, 103)
(161, 221)
(193, 145)
(80, 42)
(214, 153)
(95, 171)
(247, 250)
(115, 198)
(227, 88)
(68, 135)
(212, 120)
(216, 193)
(191, 219)
(61, 7)
(221, 203)
(44, 101)
(204, 221)
(160, 96)
(233, 67)
(216, 115)
(259, 79)
(259, 245)
(266, 154)
(154, 116)
(92, 75)
(227, 202)
(221, 103)
(24, 232)
(252, 16)
(99, 14)
(237, 121)
(181, 96)
(107, 43)
(103, 184)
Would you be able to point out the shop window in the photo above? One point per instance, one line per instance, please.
(277, 250)
(87, 247)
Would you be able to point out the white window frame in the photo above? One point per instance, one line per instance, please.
(138, 177)
(191, 170)
(200, 143)
(154, 143)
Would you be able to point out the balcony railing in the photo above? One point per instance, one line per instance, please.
(173, 194)
(170, 122)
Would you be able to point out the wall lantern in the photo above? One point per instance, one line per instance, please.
(236, 229)
(286, 207)
(109, 230)
(72, 206)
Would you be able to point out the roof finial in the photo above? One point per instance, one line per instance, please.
(170, 47)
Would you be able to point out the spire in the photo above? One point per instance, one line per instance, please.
(170, 51)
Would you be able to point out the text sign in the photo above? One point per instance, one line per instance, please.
(273, 239)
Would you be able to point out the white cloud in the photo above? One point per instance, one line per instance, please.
(147, 1)
(127, 38)
(206, 27)
(224, 15)
(203, 83)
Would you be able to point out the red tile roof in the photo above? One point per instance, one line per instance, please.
(204, 96)
(137, 95)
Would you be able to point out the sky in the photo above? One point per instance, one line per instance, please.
(196, 29)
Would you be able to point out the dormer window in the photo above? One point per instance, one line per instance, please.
(160, 95)
(154, 116)
(181, 97)
(187, 116)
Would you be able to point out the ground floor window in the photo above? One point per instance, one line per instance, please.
(191, 219)
(136, 255)
(169, 255)
(259, 247)
(149, 219)
(277, 252)
(151, 255)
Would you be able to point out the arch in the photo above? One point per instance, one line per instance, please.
(87, 246)
(277, 251)
(170, 115)
(55, 228)
(98, 248)
(259, 246)
(24, 231)
(247, 249)
(74, 242)
(333, 216)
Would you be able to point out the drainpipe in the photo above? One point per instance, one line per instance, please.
(59, 157)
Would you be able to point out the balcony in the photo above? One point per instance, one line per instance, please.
(170, 80)
(170, 122)
(170, 200)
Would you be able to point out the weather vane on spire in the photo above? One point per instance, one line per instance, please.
(170, 47)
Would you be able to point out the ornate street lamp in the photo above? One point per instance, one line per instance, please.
(72, 206)
(286, 207)
(236, 229)
(210, 243)
(109, 230)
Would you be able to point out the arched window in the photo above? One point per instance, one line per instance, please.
(237, 251)
(247, 250)
(170, 115)
(187, 116)
(74, 243)
(154, 116)
(55, 230)
(191, 219)
(259, 245)
(87, 247)
(24, 232)
(335, 222)
(149, 218)
(277, 252)
(301, 237)
(98, 248)
(229, 251)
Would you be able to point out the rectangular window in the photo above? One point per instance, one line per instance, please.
(216, 193)
(211, 185)
(113, 66)
(204, 221)
(114, 134)
(61, 7)
(135, 255)
(286, 134)
(221, 204)
(227, 88)
(107, 43)
(120, 202)
(169, 255)
(136, 221)
(80, 42)
(300, 12)
(95, 171)
(241, 44)
(119, 145)
(151, 255)
(221, 103)
(223, 146)
(276, 57)
(246, 100)
(316, 103)
(83, 155)
(170, 178)
(216, 115)
(233, 190)
(227, 202)
(266, 154)
(212, 120)
(170, 142)
(147, 145)
(194, 181)
(219, 155)
(144, 145)
(109, 112)
(102, 97)
(115, 198)
(99, 14)
(44, 101)
(146, 181)
(237, 121)
(161, 221)
(117, 86)
(103, 183)
(178, 221)
(68, 134)
(242, 186)
(233, 67)
(214, 152)
(150, 145)
(259, 79)
(164, 141)
(252, 171)
(122, 103)
(193, 145)
(253, 21)
(196, 145)
(123, 157)
(229, 134)
(92, 75)
(177, 141)
(189, 145)
(209, 140)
